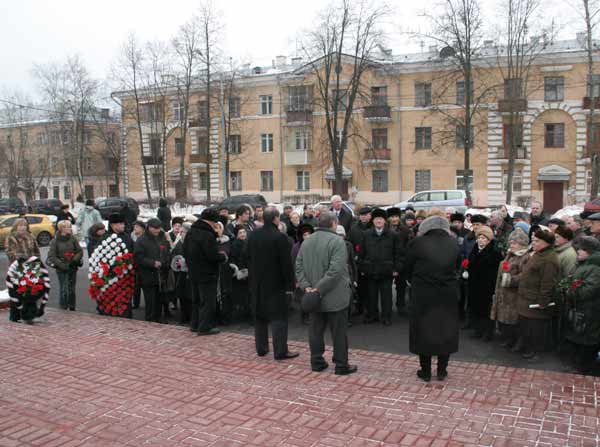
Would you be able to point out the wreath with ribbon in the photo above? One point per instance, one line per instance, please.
(112, 276)
(28, 281)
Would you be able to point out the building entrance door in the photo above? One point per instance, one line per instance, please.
(553, 196)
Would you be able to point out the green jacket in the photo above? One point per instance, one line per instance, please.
(583, 303)
(567, 259)
(322, 263)
(65, 253)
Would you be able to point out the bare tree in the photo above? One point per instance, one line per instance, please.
(103, 128)
(340, 50)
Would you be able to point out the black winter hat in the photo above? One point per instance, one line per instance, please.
(154, 223)
(305, 228)
(587, 243)
(457, 216)
(479, 218)
(556, 221)
(116, 218)
(565, 232)
(393, 211)
(378, 212)
(89, 202)
(545, 235)
(177, 220)
(364, 210)
(210, 214)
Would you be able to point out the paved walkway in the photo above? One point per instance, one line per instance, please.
(83, 380)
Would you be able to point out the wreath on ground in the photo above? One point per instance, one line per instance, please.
(112, 276)
(28, 281)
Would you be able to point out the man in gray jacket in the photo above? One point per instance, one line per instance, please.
(322, 267)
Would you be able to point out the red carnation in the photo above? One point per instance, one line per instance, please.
(576, 283)
(22, 289)
(68, 254)
(465, 264)
(505, 266)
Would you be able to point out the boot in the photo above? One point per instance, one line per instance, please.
(425, 372)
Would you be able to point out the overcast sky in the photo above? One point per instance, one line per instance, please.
(40, 31)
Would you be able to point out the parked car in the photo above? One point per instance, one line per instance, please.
(46, 206)
(12, 205)
(40, 225)
(232, 203)
(593, 205)
(348, 206)
(441, 198)
(112, 205)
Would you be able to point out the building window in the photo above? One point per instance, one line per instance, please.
(422, 137)
(235, 180)
(87, 164)
(299, 98)
(113, 190)
(303, 181)
(234, 107)
(266, 142)
(266, 104)
(302, 138)
(379, 138)
(460, 137)
(422, 94)
(593, 86)
(67, 192)
(151, 112)
(235, 144)
(178, 111)
(87, 137)
(155, 146)
(517, 180)
(342, 99)
(462, 183)
(66, 137)
(379, 96)
(42, 165)
(202, 148)
(422, 180)
(179, 147)
(588, 181)
(512, 136)
(554, 88)
(512, 88)
(380, 180)
(156, 181)
(554, 135)
(266, 180)
(56, 192)
(89, 191)
(202, 180)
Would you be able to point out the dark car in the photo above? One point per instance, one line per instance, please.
(232, 203)
(12, 205)
(112, 205)
(46, 206)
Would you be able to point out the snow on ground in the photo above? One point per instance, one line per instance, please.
(4, 298)
(573, 210)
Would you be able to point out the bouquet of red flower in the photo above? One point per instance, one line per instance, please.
(112, 276)
(28, 281)
(506, 277)
(576, 284)
(465, 267)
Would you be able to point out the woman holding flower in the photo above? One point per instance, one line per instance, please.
(504, 307)
(583, 301)
(65, 256)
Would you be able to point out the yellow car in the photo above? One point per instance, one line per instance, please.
(40, 225)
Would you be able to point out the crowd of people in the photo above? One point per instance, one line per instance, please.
(531, 281)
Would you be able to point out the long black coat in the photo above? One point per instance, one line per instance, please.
(381, 255)
(148, 249)
(483, 270)
(271, 273)
(202, 254)
(345, 219)
(431, 267)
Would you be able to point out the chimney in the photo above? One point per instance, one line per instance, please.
(280, 61)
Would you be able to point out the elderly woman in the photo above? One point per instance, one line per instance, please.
(95, 236)
(431, 264)
(293, 226)
(536, 294)
(65, 256)
(583, 301)
(482, 270)
(20, 245)
(504, 308)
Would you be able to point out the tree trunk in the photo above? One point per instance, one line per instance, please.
(590, 119)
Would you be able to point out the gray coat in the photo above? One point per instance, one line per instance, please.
(322, 263)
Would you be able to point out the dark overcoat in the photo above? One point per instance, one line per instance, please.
(432, 262)
(270, 272)
(483, 269)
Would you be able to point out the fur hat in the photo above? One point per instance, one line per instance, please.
(485, 231)
(588, 243)
(565, 232)
(556, 221)
(210, 214)
(545, 235)
(520, 237)
(479, 218)
(457, 216)
(116, 218)
(393, 211)
(340, 230)
(177, 220)
(154, 223)
(378, 212)
(305, 228)
(434, 223)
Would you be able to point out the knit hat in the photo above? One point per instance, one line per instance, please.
(479, 218)
(378, 212)
(177, 220)
(457, 216)
(210, 214)
(485, 231)
(556, 221)
(545, 235)
(154, 223)
(434, 223)
(565, 232)
(520, 237)
(116, 218)
(523, 226)
(340, 230)
(588, 243)
(393, 211)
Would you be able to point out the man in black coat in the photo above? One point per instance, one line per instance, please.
(203, 257)
(404, 235)
(380, 260)
(344, 217)
(356, 238)
(153, 259)
(271, 274)
(116, 225)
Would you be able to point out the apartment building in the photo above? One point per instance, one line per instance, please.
(402, 138)
(42, 157)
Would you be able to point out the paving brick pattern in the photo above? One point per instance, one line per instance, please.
(83, 380)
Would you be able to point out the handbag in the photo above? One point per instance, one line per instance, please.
(311, 302)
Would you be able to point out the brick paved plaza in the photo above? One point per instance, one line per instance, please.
(75, 379)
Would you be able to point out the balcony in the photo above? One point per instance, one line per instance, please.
(151, 160)
(372, 156)
(297, 158)
(377, 113)
(198, 158)
(512, 105)
(198, 122)
(299, 117)
(588, 102)
(520, 153)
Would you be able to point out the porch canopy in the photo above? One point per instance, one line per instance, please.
(346, 173)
